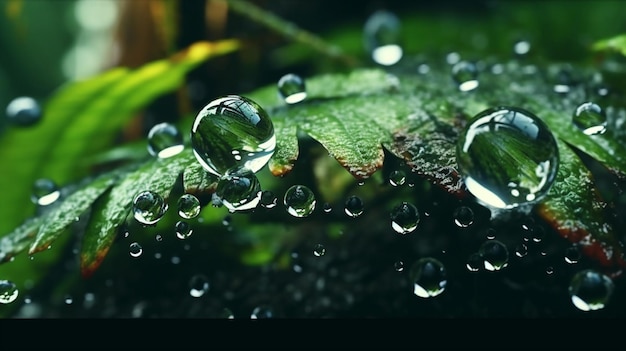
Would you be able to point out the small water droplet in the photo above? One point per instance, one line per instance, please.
(404, 218)
(299, 200)
(399, 266)
(231, 132)
(521, 250)
(428, 276)
(159, 237)
(227, 220)
(8, 291)
(68, 300)
(590, 290)
(226, 313)
(538, 233)
(549, 270)
(327, 207)
(397, 178)
(23, 111)
(175, 260)
(198, 285)
(463, 216)
(590, 118)
(423, 68)
(521, 47)
(474, 262)
(165, 140)
(453, 58)
(319, 250)
(465, 74)
(239, 190)
(148, 207)
(507, 157)
(262, 312)
(45, 192)
(563, 82)
(188, 206)
(572, 254)
(268, 199)
(381, 35)
(135, 249)
(292, 88)
(183, 230)
(354, 206)
(490, 233)
(495, 255)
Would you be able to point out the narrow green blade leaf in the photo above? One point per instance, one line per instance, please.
(82, 118)
(58, 219)
(158, 175)
(18, 240)
(616, 43)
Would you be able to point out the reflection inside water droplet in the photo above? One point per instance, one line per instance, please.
(404, 218)
(292, 88)
(299, 200)
(148, 207)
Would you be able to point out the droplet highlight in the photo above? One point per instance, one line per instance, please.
(45, 192)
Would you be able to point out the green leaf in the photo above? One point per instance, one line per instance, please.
(158, 175)
(616, 43)
(81, 119)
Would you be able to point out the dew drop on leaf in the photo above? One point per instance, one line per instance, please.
(198, 285)
(404, 218)
(465, 74)
(397, 178)
(135, 249)
(23, 111)
(299, 201)
(8, 291)
(239, 189)
(232, 132)
(381, 34)
(188, 206)
(291, 88)
(590, 290)
(507, 157)
(463, 216)
(165, 140)
(45, 192)
(354, 206)
(429, 277)
(590, 118)
(183, 230)
(148, 207)
(495, 255)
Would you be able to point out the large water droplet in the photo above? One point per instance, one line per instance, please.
(135, 249)
(590, 290)
(188, 206)
(239, 190)
(404, 218)
(165, 140)
(8, 291)
(590, 118)
(231, 132)
(507, 157)
(23, 111)
(495, 255)
(292, 88)
(463, 216)
(429, 277)
(198, 285)
(299, 200)
(381, 34)
(354, 206)
(45, 192)
(465, 74)
(148, 207)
